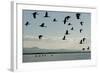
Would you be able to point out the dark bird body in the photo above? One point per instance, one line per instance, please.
(81, 42)
(67, 17)
(88, 48)
(65, 21)
(78, 15)
(69, 24)
(34, 15)
(81, 23)
(43, 25)
(64, 38)
(83, 48)
(40, 36)
(54, 20)
(66, 32)
(27, 23)
(72, 28)
(46, 14)
(84, 39)
(81, 30)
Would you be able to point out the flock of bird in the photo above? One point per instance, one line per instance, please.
(43, 25)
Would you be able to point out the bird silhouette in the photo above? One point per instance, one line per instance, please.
(46, 14)
(78, 15)
(81, 42)
(43, 25)
(40, 37)
(81, 23)
(64, 38)
(68, 17)
(34, 15)
(69, 24)
(27, 23)
(84, 39)
(88, 48)
(66, 32)
(81, 30)
(83, 48)
(72, 28)
(54, 20)
(65, 21)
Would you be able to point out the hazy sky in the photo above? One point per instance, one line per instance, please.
(55, 29)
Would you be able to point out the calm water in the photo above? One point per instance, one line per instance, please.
(56, 57)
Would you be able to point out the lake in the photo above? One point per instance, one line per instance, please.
(39, 57)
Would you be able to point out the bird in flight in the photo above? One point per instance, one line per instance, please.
(27, 23)
(78, 15)
(83, 48)
(68, 17)
(72, 28)
(34, 15)
(64, 38)
(43, 25)
(54, 20)
(81, 23)
(46, 14)
(84, 39)
(81, 30)
(88, 48)
(66, 32)
(81, 42)
(69, 24)
(65, 21)
(40, 37)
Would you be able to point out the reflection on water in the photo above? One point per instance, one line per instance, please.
(56, 57)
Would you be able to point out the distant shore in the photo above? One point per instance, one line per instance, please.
(56, 52)
(57, 56)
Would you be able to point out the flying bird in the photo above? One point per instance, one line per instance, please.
(65, 21)
(68, 17)
(69, 24)
(81, 23)
(54, 20)
(78, 15)
(81, 30)
(43, 25)
(34, 15)
(88, 48)
(40, 37)
(84, 39)
(72, 28)
(81, 42)
(64, 38)
(46, 14)
(83, 48)
(66, 32)
(27, 23)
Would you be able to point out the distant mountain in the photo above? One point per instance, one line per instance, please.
(36, 50)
